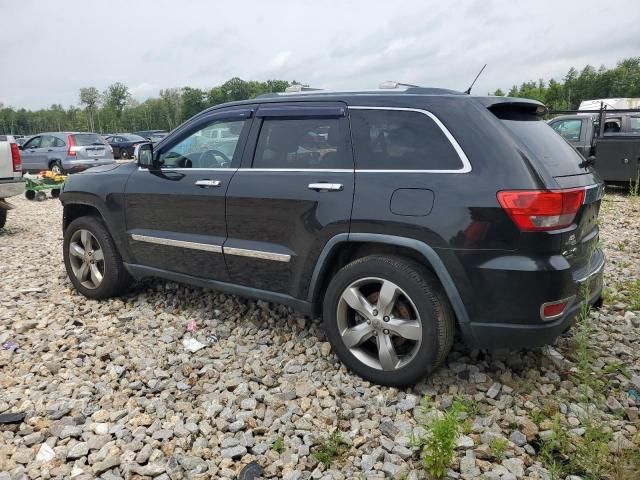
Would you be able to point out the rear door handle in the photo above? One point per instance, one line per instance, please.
(208, 183)
(326, 187)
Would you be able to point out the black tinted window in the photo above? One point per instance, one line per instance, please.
(400, 140)
(303, 143)
(545, 146)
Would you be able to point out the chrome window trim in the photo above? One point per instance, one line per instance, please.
(466, 165)
(331, 170)
(165, 169)
(207, 247)
(243, 252)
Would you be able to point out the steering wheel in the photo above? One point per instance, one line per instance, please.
(209, 156)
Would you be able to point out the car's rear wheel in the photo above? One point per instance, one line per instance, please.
(56, 167)
(124, 154)
(388, 319)
(3, 217)
(92, 261)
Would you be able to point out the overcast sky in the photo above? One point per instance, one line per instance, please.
(49, 50)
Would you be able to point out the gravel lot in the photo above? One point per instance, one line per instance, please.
(110, 391)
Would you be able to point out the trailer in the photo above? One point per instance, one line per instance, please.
(36, 186)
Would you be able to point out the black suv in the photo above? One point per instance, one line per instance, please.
(401, 215)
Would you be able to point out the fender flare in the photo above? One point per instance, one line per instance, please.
(429, 254)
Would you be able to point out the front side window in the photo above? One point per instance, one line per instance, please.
(204, 149)
(33, 143)
(568, 129)
(400, 140)
(304, 143)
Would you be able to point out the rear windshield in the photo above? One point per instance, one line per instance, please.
(134, 138)
(84, 139)
(546, 146)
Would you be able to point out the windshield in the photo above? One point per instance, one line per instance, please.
(84, 139)
(547, 147)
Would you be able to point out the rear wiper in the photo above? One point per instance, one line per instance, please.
(98, 143)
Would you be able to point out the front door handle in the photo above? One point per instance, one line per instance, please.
(208, 183)
(326, 187)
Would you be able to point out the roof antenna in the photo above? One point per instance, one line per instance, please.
(468, 90)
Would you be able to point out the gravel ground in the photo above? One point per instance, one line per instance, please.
(110, 391)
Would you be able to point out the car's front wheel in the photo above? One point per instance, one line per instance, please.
(388, 319)
(92, 261)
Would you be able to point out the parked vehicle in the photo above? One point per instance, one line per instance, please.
(610, 140)
(402, 215)
(11, 183)
(124, 143)
(154, 136)
(65, 152)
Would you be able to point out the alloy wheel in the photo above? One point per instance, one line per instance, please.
(379, 323)
(86, 258)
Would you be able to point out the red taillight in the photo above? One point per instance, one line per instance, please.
(539, 210)
(15, 158)
(553, 310)
(71, 151)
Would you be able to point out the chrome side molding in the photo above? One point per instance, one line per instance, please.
(243, 252)
(207, 247)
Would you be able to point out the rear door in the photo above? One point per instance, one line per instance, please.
(293, 193)
(175, 217)
(89, 146)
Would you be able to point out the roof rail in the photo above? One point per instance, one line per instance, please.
(392, 84)
(299, 88)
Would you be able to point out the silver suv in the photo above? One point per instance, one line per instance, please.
(65, 152)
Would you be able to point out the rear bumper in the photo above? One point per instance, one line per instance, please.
(11, 188)
(534, 332)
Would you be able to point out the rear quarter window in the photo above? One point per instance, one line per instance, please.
(400, 140)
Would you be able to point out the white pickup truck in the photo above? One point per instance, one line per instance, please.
(11, 182)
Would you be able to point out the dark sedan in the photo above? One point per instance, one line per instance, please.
(124, 143)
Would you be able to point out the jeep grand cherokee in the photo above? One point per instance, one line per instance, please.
(401, 215)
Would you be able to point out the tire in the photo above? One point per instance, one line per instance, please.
(3, 217)
(56, 167)
(30, 194)
(115, 278)
(124, 154)
(55, 193)
(419, 300)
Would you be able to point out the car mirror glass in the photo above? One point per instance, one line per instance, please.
(143, 155)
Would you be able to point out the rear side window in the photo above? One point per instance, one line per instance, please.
(400, 140)
(303, 143)
(84, 139)
(546, 147)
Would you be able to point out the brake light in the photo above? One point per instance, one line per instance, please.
(71, 149)
(15, 158)
(540, 210)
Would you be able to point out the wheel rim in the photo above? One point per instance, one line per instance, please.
(56, 169)
(86, 258)
(379, 323)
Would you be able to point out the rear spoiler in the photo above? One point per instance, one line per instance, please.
(513, 108)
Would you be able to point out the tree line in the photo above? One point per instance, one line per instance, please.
(589, 83)
(115, 110)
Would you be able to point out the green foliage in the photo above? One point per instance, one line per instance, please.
(620, 81)
(327, 451)
(278, 445)
(439, 445)
(115, 110)
(634, 186)
(498, 445)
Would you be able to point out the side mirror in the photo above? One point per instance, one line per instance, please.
(143, 155)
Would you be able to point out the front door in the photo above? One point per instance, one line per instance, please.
(33, 157)
(292, 195)
(176, 216)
